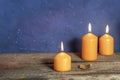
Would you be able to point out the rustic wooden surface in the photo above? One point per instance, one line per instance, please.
(39, 66)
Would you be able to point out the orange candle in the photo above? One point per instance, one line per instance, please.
(106, 43)
(62, 61)
(89, 45)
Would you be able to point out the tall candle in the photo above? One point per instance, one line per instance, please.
(89, 45)
(106, 43)
(62, 61)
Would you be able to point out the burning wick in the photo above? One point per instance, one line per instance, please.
(89, 27)
(107, 28)
(62, 46)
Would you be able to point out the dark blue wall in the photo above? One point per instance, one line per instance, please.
(40, 25)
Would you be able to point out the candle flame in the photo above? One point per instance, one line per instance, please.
(62, 46)
(107, 28)
(89, 27)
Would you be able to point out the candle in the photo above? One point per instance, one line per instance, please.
(89, 45)
(62, 61)
(106, 43)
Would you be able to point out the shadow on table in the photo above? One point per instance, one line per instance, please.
(33, 79)
(48, 63)
(75, 46)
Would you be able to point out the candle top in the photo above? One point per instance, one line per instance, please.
(62, 46)
(89, 27)
(107, 28)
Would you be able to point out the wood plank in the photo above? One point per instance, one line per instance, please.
(46, 70)
(40, 66)
(46, 58)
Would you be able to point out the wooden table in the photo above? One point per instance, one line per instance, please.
(39, 66)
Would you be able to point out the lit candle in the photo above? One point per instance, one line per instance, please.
(89, 45)
(106, 43)
(62, 61)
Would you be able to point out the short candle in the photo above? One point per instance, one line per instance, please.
(62, 61)
(106, 43)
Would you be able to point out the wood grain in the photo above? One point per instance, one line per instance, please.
(40, 66)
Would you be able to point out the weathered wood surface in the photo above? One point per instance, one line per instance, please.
(39, 66)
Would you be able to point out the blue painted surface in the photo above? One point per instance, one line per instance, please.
(40, 25)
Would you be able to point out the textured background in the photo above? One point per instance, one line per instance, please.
(40, 25)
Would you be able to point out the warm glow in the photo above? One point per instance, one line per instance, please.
(107, 28)
(89, 27)
(62, 46)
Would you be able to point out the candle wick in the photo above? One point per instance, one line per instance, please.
(62, 46)
(107, 28)
(89, 27)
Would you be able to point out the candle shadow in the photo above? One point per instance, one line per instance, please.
(98, 44)
(116, 36)
(36, 78)
(48, 63)
(75, 46)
